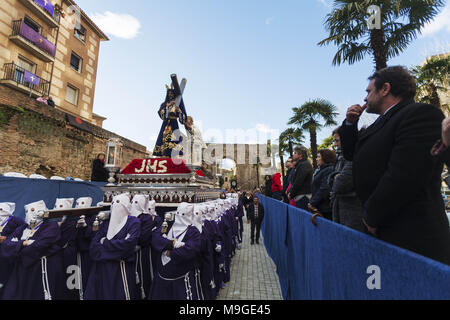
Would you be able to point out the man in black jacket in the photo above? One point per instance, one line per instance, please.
(396, 178)
(289, 166)
(255, 214)
(301, 179)
(99, 173)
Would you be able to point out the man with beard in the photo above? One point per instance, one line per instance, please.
(396, 178)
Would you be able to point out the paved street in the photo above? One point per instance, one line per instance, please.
(253, 275)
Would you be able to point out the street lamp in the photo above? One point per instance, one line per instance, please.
(113, 158)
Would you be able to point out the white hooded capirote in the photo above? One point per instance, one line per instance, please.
(64, 204)
(83, 202)
(140, 205)
(120, 210)
(183, 219)
(152, 208)
(34, 212)
(6, 209)
(212, 211)
(197, 218)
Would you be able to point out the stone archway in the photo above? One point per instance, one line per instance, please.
(249, 160)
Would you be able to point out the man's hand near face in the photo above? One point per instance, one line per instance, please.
(354, 113)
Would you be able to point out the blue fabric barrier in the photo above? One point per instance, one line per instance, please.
(275, 225)
(330, 261)
(23, 191)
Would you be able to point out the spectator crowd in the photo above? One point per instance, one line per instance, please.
(383, 180)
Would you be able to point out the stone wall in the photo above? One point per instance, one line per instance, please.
(35, 138)
(245, 157)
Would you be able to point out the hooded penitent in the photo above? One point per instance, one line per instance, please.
(183, 219)
(6, 211)
(139, 205)
(120, 210)
(152, 208)
(197, 219)
(64, 204)
(84, 202)
(34, 212)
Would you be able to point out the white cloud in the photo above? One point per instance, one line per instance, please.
(263, 128)
(269, 20)
(119, 25)
(440, 22)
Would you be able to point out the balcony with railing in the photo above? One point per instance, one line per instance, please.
(16, 77)
(32, 41)
(44, 10)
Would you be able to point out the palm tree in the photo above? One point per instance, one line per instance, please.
(401, 21)
(327, 143)
(309, 116)
(432, 77)
(287, 138)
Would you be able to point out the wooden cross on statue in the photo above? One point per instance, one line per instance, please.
(179, 90)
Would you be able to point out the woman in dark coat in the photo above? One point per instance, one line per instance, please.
(268, 187)
(320, 199)
(99, 173)
(347, 208)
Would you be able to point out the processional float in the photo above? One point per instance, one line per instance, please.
(167, 177)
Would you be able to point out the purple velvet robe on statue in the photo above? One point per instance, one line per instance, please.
(6, 265)
(177, 279)
(113, 272)
(27, 279)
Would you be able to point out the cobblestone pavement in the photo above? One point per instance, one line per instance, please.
(253, 275)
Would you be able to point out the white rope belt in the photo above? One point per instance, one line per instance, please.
(199, 284)
(139, 253)
(183, 276)
(188, 287)
(45, 284)
(151, 263)
(124, 280)
(80, 277)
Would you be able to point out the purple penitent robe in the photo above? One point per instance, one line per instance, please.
(8, 227)
(37, 272)
(207, 262)
(178, 279)
(144, 266)
(83, 241)
(113, 271)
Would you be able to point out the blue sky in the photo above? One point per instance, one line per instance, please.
(248, 63)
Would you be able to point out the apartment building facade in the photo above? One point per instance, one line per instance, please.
(51, 48)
